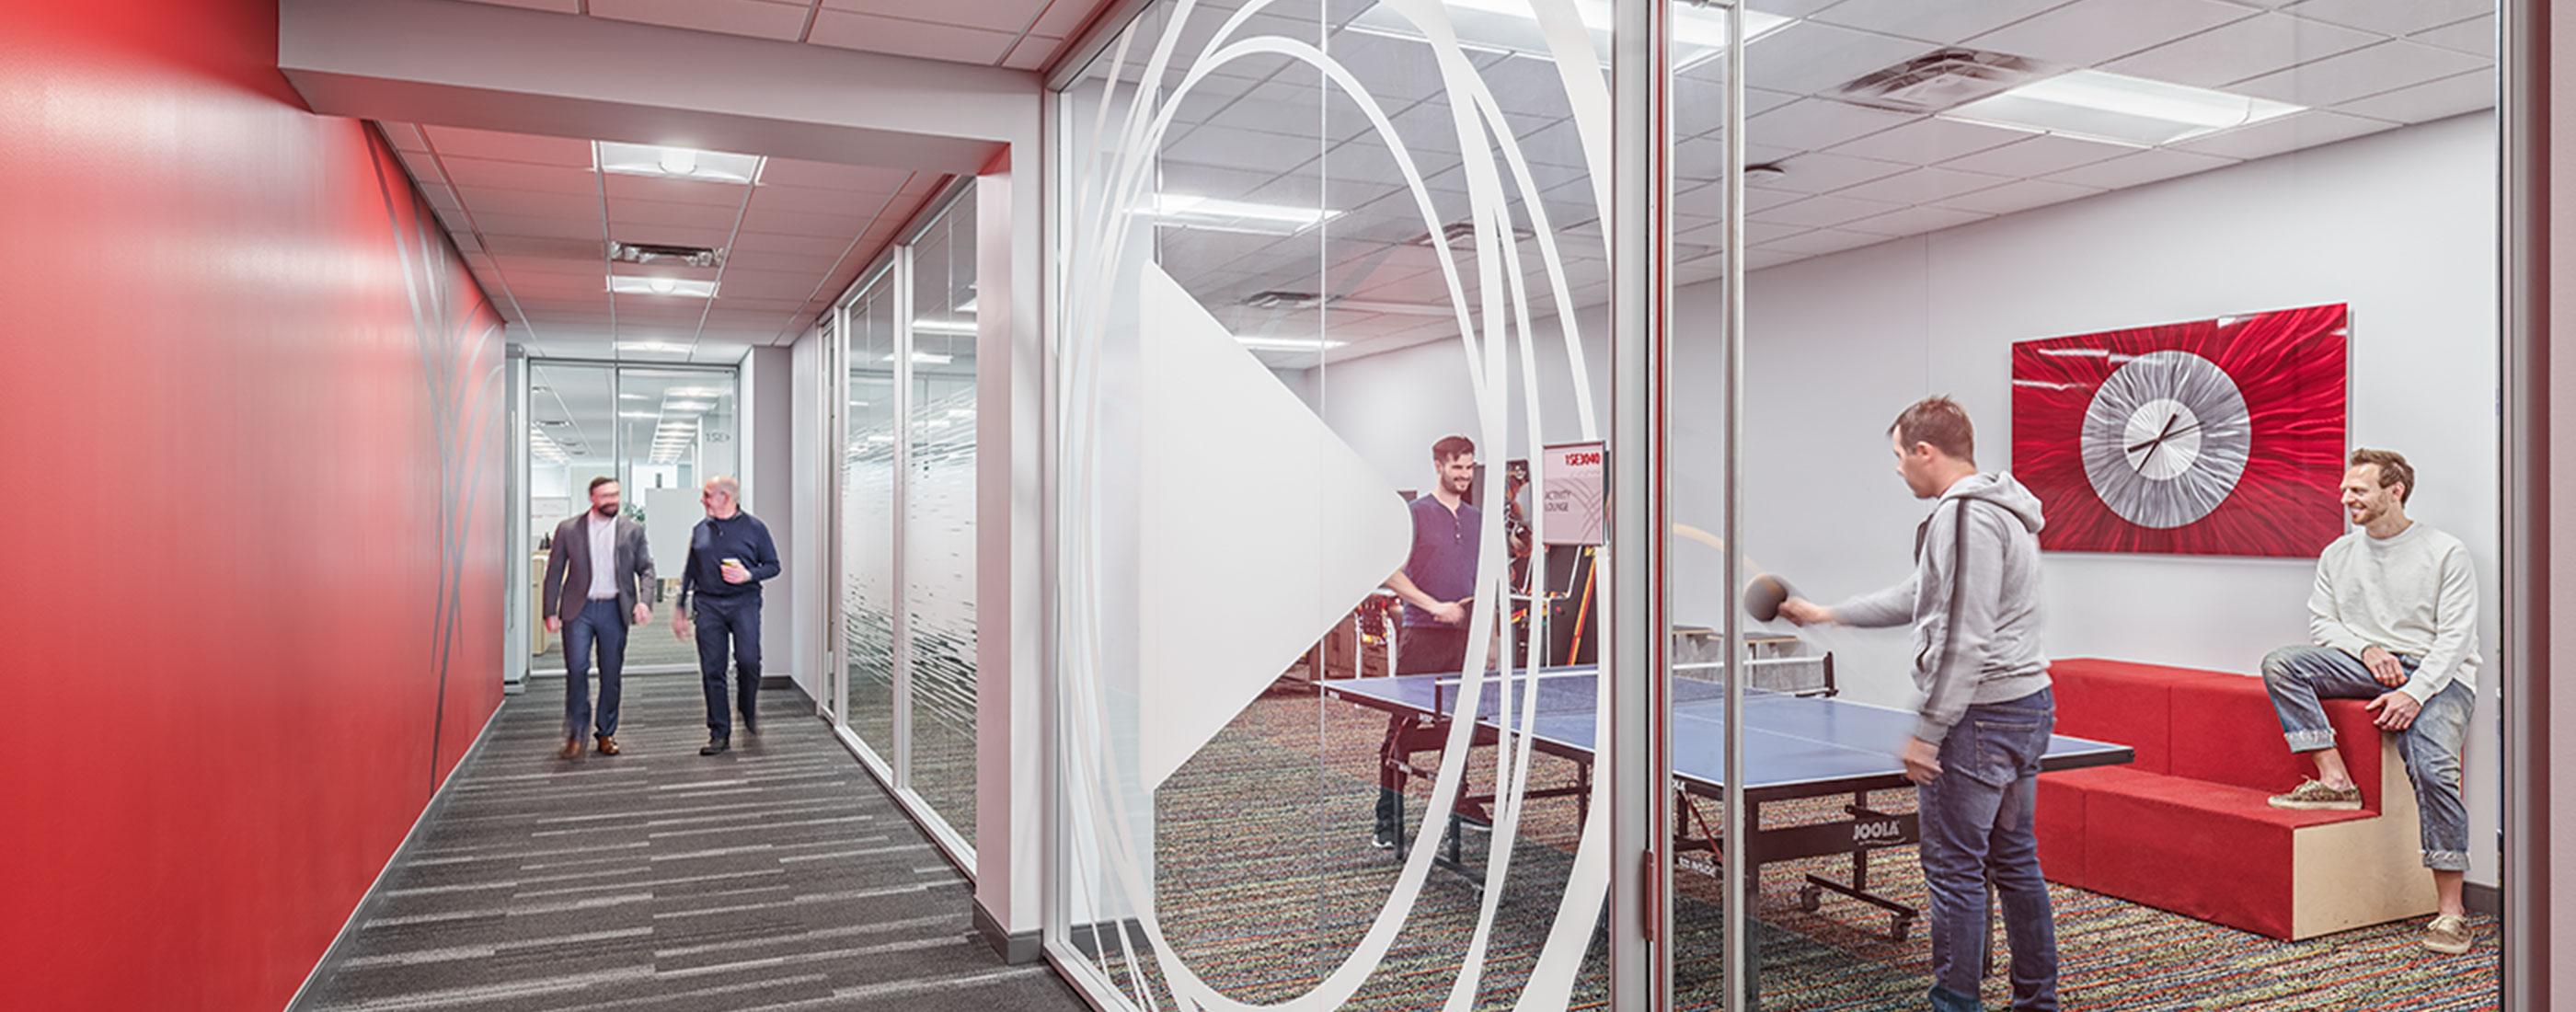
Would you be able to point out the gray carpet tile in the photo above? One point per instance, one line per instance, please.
(780, 876)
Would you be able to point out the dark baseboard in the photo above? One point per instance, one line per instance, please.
(1014, 948)
(2483, 899)
(330, 961)
(768, 682)
(1094, 940)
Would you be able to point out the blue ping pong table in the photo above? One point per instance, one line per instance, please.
(1795, 747)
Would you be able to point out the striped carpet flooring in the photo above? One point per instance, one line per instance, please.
(778, 877)
(1267, 881)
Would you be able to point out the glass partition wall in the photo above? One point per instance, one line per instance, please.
(1332, 417)
(2168, 265)
(659, 431)
(905, 534)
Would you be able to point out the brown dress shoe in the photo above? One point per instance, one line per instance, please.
(572, 748)
(608, 744)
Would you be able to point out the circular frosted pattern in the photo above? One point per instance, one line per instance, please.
(2166, 438)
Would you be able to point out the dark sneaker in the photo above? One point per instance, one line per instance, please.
(1384, 838)
(2314, 794)
(715, 746)
(2448, 934)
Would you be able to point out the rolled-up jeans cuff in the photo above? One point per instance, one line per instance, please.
(2311, 741)
(2447, 860)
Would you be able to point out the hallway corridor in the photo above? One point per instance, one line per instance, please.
(779, 876)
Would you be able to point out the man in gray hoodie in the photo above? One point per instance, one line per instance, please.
(1973, 600)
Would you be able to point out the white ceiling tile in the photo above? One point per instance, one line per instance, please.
(560, 6)
(1789, 8)
(1233, 147)
(2392, 17)
(2088, 32)
(1923, 186)
(2476, 35)
(1822, 241)
(2020, 196)
(1063, 17)
(2287, 133)
(829, 176)
(2430, 101)
(2140, 167)
(1033, 52)
(471, 174)
(1929, 141)
(452, 142)
(531, 204)
(625, 215)
(2250, 48)
(439, 196)
(802, 222)
(1699, 105)
(1808, 57)
(871, 33)
(1823, 212)
(622, 187)
(2037, 155)
(1939, 23)
(1814, 123)
(1824, 172)
(422, 165)
(1915, 221)
(1013, 16)
(2368, 71)
(403, 136)
(586, 230)
(763, 19)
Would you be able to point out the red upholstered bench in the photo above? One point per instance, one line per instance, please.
(2186, 828)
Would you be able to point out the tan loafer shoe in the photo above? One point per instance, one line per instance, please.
(2314, 795)
(2448, 934)
(608, 744)
(571, 748)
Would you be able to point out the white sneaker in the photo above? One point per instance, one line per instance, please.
(2449, 934)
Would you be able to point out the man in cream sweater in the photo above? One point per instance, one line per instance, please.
(2395, 619)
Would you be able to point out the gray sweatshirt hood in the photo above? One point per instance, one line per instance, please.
(2000, 489)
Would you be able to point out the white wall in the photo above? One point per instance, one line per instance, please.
(2400, 225)
(769, 492)
(804, 481)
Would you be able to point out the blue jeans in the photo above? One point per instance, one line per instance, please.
(2299, 677)
(1977, 831)
(737, 618)
(599, 624)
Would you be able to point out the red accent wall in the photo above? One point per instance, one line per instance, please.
(250, 416)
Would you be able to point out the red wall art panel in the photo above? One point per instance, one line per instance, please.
(2214, 437)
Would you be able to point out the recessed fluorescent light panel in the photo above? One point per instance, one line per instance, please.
(2118, 109)
(1511, 26)
(653, 346)
(677, 163)
(925, 358)
(948, 328)
(1183, 211)
(628, 285)
(1268, 343)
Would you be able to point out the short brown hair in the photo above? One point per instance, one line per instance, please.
(2393, 470)
(595, 483)
(1941, 422)
(1451, 448)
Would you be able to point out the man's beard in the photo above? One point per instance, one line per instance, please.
(608, 510)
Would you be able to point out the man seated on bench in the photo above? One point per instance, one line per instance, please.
(2395, 619)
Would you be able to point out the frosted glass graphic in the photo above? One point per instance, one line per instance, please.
(939, 519)
(867, 518)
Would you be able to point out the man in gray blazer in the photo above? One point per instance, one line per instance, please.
(592, 603)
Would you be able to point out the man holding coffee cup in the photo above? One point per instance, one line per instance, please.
(729, 554)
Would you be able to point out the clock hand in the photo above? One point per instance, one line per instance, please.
(2169, 433)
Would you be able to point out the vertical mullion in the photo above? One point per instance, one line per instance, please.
(2523, 218)
(1635, 657)
(1740, 872)
(900, 515)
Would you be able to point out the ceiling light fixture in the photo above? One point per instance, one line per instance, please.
(639, 414)
(958, 328)
(1274, 343)
(676, 163)
(653, 346)
(657, 285)
(2118, 109)
(925, 358)
(1219, 215)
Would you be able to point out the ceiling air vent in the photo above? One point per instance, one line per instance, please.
(1463, 233)
(1283, 300)
(654, 252)
(1941, 80)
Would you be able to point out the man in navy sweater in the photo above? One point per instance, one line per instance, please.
(729, 554)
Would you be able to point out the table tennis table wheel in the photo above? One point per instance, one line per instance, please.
(1811, 899)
